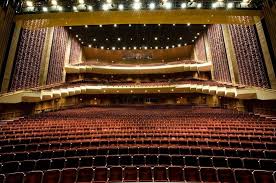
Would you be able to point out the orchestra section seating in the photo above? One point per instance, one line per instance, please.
(145, 144)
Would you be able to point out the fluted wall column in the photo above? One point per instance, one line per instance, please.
(46, 56)
(11, 57)
(67, 56)
(231, 55)
(266, 55)
(208, 54)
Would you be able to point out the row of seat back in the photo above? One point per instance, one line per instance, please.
(142, 174)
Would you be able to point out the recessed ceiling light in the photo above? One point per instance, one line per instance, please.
(145, 25)
(198, 33)
(86, 26)
(115, 25)
(183, 5)
(90, 46)
(188, 24)
(60, 8)
(230, 5)
(156, 38)
(29, 3)
(134, 47)
(81, 1)
(70, 28)
(89, 7)
(173, 24)
(54, 2)
(129, 25)
(167, 47)
(204, 25)
(94, 39)
(156, 47)
(124, 48)
(119, 39)
(105, 6)
(145, 48)
(168, 5)
(75, 8)
(199, 5)
(106, 39)
(102, 47)
(44, 9)
(77, 35)
(137, 5)
(121, 7)
(180, 38)
(151, 6)
(179, 45)
(100, 25)
(173, 46)
(113, 48)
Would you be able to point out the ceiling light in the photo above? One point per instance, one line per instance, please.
(185, 44)
(155, 38)
(109, 1)
(168, 5)
(198, 33)
(82, 42)
(146, 91)
(188, 24)
(54, 2)
(124, 48)
(89, 7)
(59, 8)
(156, 47)
(193, 40)
(86, 26)
(168, 38)
(45, 9)
(145, 25)
(94, 39)
(214, 5)
(102, 47)
(75, 8)
(183, 5)
(79, 39)
(173, 24)
(119, 39)
(29, 3)
(199, 5)
(115, 25)
(106, 39)
(180, 38)
(145, 48)
(137, 6)
(70, 28)
(195, 37)
(121, 7)
(134, 47)
(105, 7)
(113, 48)
(151, 6)
(230, 5)
(179, 45)
(172, 46)
(129, 25)
(100, 25)
(204, 25)
(167, 47)
(81, 1)
(90, 46)
(77, 35)
(159, 25)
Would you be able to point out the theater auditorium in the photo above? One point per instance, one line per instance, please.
(137, 91)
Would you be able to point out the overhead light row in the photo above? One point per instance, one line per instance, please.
(137, 5)
(139, 48)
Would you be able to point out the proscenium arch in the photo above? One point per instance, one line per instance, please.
(192, 16)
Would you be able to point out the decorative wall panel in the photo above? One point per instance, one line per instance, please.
(28, 58)
(200, 50)
(250, 61)
(56, 63)
(75, 51)
(218, 51)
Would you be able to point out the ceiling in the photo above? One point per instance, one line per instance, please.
(84, 5)
(137, 36)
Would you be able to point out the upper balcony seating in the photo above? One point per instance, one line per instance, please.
(125, 144)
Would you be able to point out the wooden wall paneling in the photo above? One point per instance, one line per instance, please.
(208, 53)
(67, 56)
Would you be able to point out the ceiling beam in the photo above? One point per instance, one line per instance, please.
(192, 16)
